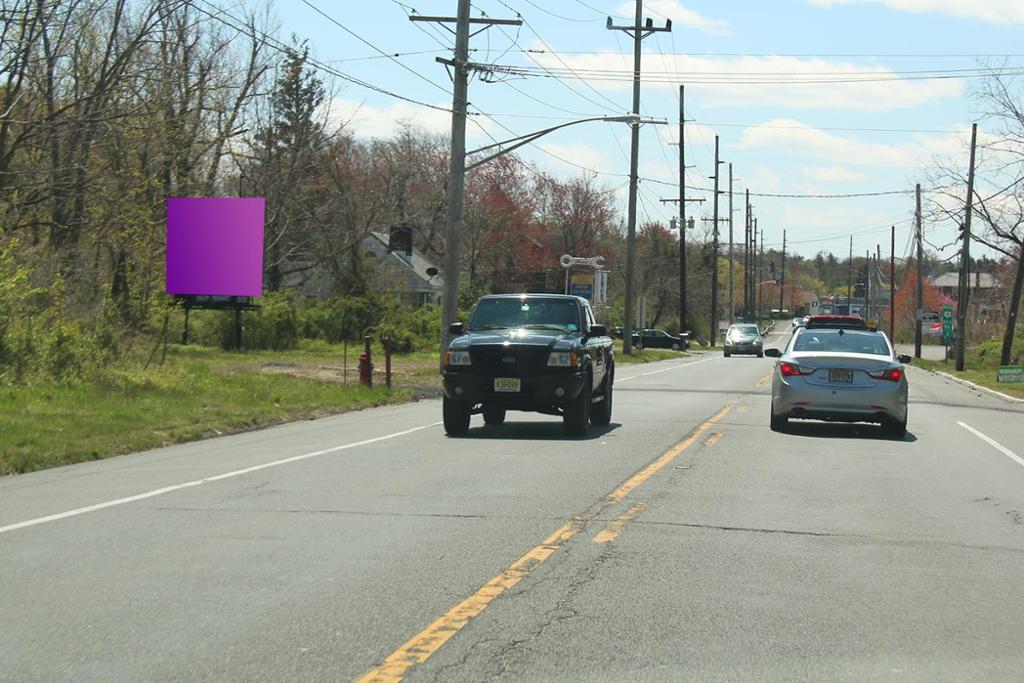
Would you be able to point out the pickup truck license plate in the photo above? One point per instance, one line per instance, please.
(507, 384)
(840, 376)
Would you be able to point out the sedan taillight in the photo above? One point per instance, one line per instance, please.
(891, 375)
(793, 370)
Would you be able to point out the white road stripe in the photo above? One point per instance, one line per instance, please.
(677, 367)
(995, 444)
(198, 482)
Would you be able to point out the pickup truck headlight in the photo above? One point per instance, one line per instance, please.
(563, 359)
(457, 358)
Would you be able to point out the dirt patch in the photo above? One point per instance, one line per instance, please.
(411, 379)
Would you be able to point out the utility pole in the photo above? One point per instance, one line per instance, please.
(920, 285)
(746, 256)
(755, 269)
(782, 277)
(714, 257)
(849, 292)
(965, 262)
(638, 32)
(867, 285)
(892, 284)
(457, 163)
(683, 327)
(760, 269)
(732, 299)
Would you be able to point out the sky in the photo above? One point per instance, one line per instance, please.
(887, 88)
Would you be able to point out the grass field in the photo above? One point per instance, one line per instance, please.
(985, 377)
(199, 392)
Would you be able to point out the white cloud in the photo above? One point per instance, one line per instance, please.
(764, 81)
(992, 11)
(583, 155)
(674, 10)
(832, 174)
(368, 121)
(802, 140)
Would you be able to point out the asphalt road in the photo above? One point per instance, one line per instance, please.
(684, 541)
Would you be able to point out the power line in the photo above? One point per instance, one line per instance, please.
(239, 26)
(364, 41)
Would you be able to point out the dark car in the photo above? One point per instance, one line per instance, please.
(534, 352)
(658, 339)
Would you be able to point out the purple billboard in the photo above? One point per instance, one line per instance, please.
(215, 246)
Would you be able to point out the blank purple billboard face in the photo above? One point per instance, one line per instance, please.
(215, 246)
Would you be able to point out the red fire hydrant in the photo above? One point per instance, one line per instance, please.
(366, 365)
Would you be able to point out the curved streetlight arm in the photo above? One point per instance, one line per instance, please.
(530, 137)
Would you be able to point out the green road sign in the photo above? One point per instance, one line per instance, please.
(947, 321)
(1010, 373)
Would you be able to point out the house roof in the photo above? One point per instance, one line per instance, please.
(417, 262)
(978, 280)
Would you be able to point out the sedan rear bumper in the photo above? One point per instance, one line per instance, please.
(795, 397)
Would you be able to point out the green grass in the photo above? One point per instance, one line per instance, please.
(199, 392)
(985, 377)
(644, 356)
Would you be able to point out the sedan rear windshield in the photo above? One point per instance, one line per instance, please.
(558, 314)
(841, 341)
(744, 331)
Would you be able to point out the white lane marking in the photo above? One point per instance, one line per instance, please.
(995, 444)
(207, 480)
(684, 365)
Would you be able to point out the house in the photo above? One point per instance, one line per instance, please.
(948, 284)
(401, 268)
(398, 267)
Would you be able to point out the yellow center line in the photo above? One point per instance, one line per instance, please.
(742, 409)
(615, 527)
(713, 439)
(421, 646)
(764, 380)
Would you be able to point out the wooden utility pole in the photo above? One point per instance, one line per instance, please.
(849, 292)
(965, 262)
(920, 285)
(638, 31)
(867, 285)
(457, 163)
(746, 256)
(732, 299)
(714, 257)
(683, 314)
(782, 276)
(892, 284)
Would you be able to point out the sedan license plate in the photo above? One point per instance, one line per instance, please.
(507, 384)
(840, 376)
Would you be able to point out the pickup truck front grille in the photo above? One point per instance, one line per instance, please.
(509, 362)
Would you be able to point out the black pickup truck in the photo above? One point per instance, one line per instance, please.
(535, 352)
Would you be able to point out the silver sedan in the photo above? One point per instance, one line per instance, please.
(841, 375)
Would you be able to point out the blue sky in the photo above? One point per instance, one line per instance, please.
(781, 138)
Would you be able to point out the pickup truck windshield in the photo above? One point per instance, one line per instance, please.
(555, 314)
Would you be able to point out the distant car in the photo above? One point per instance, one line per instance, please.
(658, 339)
(743, 338)
(849, 322)
(798, 322)
(839, 374)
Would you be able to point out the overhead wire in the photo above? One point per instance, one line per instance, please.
(265, 39)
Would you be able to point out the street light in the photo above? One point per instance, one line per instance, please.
(455, 208)
(526, 139)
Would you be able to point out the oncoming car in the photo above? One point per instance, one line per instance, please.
(743, 338)
(839, 374)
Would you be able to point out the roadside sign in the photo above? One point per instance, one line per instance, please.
(1010, 373)
(947, 325)
(582, 285)
(601, 288)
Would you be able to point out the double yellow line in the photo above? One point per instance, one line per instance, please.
(421, 646)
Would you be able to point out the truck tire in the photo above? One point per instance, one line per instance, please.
(456, 417)
(601, 412)
(576, 412)
(493, 415)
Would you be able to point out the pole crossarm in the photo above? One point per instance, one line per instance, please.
(676, 201)
(643, 30)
